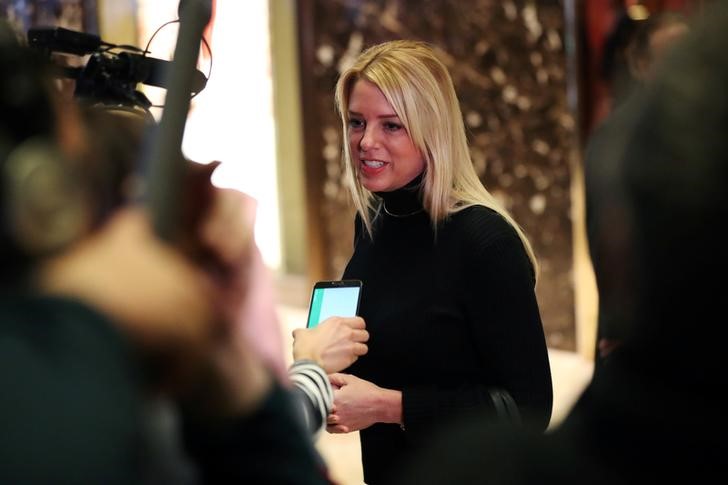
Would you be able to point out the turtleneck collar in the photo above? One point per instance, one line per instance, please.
(404, 201)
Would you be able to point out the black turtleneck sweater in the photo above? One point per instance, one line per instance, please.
(452, 316)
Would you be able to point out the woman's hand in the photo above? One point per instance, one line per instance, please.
(359, 404)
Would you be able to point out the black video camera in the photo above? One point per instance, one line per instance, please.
(112, 73)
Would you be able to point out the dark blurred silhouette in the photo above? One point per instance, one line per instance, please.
(650, 41)
(655, 414)
(99, 317)
(607, 218)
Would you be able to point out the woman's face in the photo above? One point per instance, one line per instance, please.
(381, 149)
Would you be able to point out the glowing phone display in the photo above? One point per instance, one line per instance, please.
(333, 298)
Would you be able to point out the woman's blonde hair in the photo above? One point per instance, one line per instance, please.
(421, 92)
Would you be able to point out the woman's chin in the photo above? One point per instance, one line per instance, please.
(371, 184)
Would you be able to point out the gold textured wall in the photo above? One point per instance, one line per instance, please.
(508, 62)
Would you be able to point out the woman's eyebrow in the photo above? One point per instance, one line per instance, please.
(393, 115)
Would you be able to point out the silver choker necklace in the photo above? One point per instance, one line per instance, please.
(384, 206)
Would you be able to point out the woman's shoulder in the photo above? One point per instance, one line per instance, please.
(481, 223)
(480, 232)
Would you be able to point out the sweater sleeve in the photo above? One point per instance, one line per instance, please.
(267, 446)
(313, 394)
(505, 325)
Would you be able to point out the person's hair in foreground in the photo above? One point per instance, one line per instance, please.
(651, 39)
(419, 88)
(26, 112)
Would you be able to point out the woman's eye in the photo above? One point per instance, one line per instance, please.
(355, 123)
(390, 126)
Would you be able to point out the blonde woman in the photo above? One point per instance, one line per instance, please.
(448, 275)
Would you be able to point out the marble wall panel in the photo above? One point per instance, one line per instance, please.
(71, 14)
(508, 62)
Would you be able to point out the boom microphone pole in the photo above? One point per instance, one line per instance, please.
(163, 159)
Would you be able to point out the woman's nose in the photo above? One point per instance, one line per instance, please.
(368, 140)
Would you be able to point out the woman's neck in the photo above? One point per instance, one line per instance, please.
(405, 201)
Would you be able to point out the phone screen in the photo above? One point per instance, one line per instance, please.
(333, 298)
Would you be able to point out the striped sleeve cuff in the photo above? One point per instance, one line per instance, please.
(313, 383)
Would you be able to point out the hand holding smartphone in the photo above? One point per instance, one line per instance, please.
(338, 298)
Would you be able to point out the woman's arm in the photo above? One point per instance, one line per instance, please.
(507, 333)
(510, 377)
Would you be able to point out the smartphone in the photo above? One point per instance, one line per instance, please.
(333, 298)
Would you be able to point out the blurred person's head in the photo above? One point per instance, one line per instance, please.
(26, 103)
(614, 66)
(28, 131)
(652, 38)
(63, 167)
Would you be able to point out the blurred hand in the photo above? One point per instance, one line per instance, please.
(227, 228)
(245, 287)
(156, 295)
(334, 344)
(195, 320)
(250, 343)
